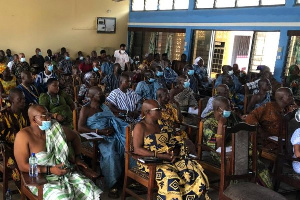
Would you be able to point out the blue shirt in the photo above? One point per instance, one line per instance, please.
(41, 80)
(31, 94)
(170, 75)
(147, 91)
(107, 68)
(237, 84)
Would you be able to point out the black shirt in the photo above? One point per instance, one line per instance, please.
(39, 60)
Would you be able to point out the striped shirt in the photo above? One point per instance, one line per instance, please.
(123, 101)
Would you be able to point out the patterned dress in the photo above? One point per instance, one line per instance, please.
(7, 85)
(69, 186)
(183, 179)
(10, 125)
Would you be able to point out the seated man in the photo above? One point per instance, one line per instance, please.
(42, 77)
(38, 59)
(182, 177)
(28, 88)
(159, 76)
(19, 67)
(124, 101)
(169, 74)
(65, 65)
(227, 70)
(49, 141)
(189, 71)
(269, 116)
(147, 89)
(12, 120)
(221, 90)
(262, 97)
(112, 81)
(96, 117)
(213, 128)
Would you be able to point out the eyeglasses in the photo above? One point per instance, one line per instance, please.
(45, 116)
(155, 109)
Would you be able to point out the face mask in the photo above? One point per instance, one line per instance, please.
(22, 59)
(151, 80)
(40, 53)
(159, 73)
(80, 58)
(95, 69)
(136, 62)
(122, 51)
(297, 115)
(226, 113)
(45, 125)
(167, 68)
(230, 72)
(67, 58)
(50, 68)
(186, 84)
(191, 72)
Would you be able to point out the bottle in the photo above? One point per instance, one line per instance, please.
(8, 195)
(33, 171)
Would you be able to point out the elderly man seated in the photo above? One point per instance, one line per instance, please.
(28, 88)
(49, 141)
(97, 117)
(269, 116)
(182, 178)
(147, 89)
(124, 101)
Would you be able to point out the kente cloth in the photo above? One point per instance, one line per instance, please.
(295, 140)
(72, 185)
(10, 125)
(266, 100)
(59, 104)
(112, 148)
(8, 85)
(147, 91)
(186, 99)
(170, 75)
(210, 127)
(183, 179)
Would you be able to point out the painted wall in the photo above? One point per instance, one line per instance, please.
(53, 24)
(268, 18)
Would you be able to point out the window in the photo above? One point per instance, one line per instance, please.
(272, 2)
(205, 3)
(151, 4)
(225, 3)
(165, 4)
(181, 4)
(138, 5)
(243, 3)
(298, 1)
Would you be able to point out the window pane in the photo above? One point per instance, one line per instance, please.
(151, 4)
(181, 4)
(137, 5)
(298, 1)
(272, 2)
(225, 3)
(165, 4)
(205, 4)
(242, 3)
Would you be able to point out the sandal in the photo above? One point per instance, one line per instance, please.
(113, 193)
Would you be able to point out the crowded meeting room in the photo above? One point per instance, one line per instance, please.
(150, 99)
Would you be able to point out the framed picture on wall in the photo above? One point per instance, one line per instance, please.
(106, 25)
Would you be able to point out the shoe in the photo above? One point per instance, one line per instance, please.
(113, 193)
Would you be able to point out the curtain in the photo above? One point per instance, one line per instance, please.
(152, 42)
(131, 43)
(169, 45)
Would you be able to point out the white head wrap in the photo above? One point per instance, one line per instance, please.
(197, 60)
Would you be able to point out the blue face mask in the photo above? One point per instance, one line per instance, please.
(230, 72)
(226, 113)
(67, 58)
(167, 68)
(159, 73)
(40, 53)
(50, 68)
(191, 72)
(45, 125)
(151, 80)
(95, 69)
(186, 84)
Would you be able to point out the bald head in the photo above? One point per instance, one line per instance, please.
(220, 102)
(36, 110)
(147, 105)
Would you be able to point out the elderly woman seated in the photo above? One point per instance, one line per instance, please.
(58, 103)
(89, 80)
(180, 177)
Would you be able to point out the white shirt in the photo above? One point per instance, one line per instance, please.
(121, 58)
(10, 64)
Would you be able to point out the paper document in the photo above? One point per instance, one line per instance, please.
(193, 111)
(228, 149)
(275, 138)
(89, 136)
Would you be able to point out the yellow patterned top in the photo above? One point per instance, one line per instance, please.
(8, 85)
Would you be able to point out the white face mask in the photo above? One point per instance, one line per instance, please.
(122, 51)
(22, 59)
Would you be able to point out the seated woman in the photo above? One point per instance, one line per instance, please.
(58, 103)
(295, 140)
(212, 130)
(262, 97)
(90, 79)
(183, 94)
(7, 82)
(182, 177)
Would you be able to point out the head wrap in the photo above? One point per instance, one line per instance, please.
(88, 76)
(197, 60)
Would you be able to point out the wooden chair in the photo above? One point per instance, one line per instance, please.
(39, 182)
(240, 169)
(145, 179)
(5, 153)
